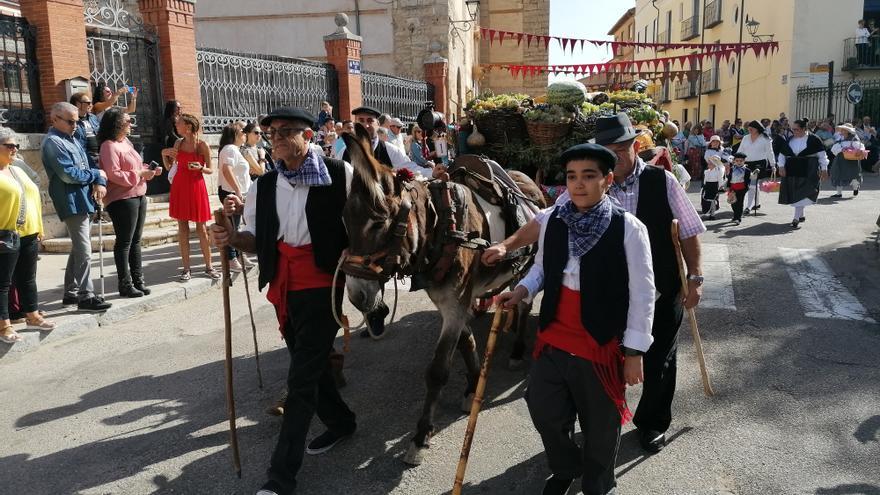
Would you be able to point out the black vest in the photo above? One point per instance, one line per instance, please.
(604, 279)
(323, 215)
(380, 154)
(654, 211)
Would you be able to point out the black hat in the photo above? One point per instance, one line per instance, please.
(740, 154)
(757, 125)
(591, 151)
(365, 109)
(291, 113)
(616, 129)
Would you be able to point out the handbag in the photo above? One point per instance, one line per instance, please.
(731, 198)
(10, 240)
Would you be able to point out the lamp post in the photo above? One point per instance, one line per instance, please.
(752, 25)
(465, 25)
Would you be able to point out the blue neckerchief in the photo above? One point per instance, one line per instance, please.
(633, 177)
(585, 228)
(312, 172)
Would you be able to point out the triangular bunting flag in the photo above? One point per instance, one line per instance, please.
(528, 40)
(501, 37)
(491, 36)
(519, 37)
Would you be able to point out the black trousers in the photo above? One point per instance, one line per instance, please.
(738, 206)
(231, 252)
(128, 216)
(20, 268)
(309, 334)
(560, 387)
(660, 366)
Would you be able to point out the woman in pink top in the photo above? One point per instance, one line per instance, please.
(127, 178)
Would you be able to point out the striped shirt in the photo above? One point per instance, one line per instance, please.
(627, 194)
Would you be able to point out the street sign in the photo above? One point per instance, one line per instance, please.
(854, 93)
(354, 67)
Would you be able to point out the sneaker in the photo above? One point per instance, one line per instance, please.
(94, 304)
(235, 266)
(69, 301)
(324, 442)
(737, 222)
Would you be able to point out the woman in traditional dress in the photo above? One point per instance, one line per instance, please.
(802, 163)
(846, 172)
(760, 160)
(695, 147)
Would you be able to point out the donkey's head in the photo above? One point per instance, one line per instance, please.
(370, 215)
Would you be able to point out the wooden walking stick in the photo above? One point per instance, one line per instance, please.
(692, 316)
(227, 321)
(478, 396)
(247, 291)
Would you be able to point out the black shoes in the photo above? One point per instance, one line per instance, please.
(556, 486)
(94, 304)
(855, 192)
(836, 196)
(139, 285)
(794, 224)
(324, 442)
(746, 211)
(69, 300)
(802, 219)
(652, 441)
(128, 290)
(711, 217)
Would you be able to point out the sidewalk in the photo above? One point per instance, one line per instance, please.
(161, 267)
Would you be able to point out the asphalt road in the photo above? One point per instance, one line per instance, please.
(789, 329)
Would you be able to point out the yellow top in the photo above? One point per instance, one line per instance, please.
(10, 200)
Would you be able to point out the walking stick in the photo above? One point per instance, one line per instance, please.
(227, 322)
(692, 316)
(478, 396)
(247, 291)
(101, 246)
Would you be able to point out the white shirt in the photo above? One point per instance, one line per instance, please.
(642, 294)
(230, 156)
(713, 174)
(798, 144)
(842, 145)
(290, 203)
(761, 149)
(862, 35)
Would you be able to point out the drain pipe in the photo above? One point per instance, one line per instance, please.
(357, 16)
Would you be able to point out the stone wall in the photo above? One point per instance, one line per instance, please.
(531, 16)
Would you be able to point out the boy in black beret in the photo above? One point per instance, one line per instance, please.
(594, 265)
(738, 185)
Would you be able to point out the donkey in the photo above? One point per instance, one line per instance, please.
(393, 222)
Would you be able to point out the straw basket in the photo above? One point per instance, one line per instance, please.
(851, 154)
(502, 126)
(547, 133)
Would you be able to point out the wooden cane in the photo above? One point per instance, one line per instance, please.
(247, 291)
(692, 316)
(220, 219)
(478, 397)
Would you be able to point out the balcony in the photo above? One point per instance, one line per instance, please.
(861, 57)
(709, 81)
(712, 16)
(663, 93)
(685, 89)
(690, 28)
(663, 38)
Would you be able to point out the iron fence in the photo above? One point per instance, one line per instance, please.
(690, 28)
(813, 102)
(20, 104)
(397, 96)
(241, 86)
(709, 83)
(712, 17)
(685, 89)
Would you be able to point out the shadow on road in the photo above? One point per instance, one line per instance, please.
(853, 489)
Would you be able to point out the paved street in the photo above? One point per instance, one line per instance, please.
(789, 323)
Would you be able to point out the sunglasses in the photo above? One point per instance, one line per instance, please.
(11, 146)
(284, 132)
(258, 133)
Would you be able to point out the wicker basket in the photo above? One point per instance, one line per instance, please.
(547, 133)
(502, 126)
(854, 155)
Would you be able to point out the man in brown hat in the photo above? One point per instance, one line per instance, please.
(654, 196)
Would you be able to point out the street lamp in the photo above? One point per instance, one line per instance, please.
(463, 26)
(752, 26)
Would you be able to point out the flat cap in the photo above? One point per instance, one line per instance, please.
(365, 109)
(290, 113)
(589, 151)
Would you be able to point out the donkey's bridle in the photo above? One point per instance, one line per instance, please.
(384, 264)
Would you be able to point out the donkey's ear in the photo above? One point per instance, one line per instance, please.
(361, 132)
(361, 159)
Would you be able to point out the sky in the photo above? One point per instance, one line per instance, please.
(590, 19)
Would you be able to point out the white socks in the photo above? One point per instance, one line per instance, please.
(798, 212)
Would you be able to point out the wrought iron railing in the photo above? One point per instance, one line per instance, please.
(709, 82)
(863, 56)
(20, 104)
(712, 16)
(685, 89)
(663, 96)
(690, 28)
(812, 102)
(241, 86)
(662, 38)
(397, 96)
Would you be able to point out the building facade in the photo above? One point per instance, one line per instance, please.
(527, 16)
(810, 33)
(623, 30)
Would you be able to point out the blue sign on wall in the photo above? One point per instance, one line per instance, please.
(354, 67)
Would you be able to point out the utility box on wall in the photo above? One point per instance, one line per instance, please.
(76, 85)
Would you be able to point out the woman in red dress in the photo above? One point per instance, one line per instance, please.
(189, 194)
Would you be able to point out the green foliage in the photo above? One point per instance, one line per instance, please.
(554, 114)
(487, 103)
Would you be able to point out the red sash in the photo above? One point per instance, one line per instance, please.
(296, 270)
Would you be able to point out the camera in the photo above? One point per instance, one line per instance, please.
(154, 165)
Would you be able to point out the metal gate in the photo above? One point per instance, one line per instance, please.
(813, 102)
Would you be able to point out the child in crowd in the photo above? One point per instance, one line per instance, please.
(594, 266)
(712, 178)
(737, 185)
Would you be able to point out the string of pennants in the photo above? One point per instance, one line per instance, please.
(569, 43)
(686, 63)
(524, 71)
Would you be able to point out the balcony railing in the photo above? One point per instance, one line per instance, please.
(662, 38)
(685, 90)
(690, 28)
(712, 16)
(861, 56)
(664, 93)
(710, 81)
